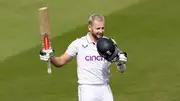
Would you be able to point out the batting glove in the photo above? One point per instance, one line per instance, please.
(45, 54)
(121, 57)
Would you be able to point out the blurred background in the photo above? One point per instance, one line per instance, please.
(148, 30)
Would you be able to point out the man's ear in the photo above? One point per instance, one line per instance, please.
(89, 27)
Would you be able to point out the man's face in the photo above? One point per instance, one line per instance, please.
(97, 29)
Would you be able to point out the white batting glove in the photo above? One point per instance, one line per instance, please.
(122, 57)
(45, 54)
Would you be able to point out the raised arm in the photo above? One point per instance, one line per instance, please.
(61, 60)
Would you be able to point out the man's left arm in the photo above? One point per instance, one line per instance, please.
(120, 60)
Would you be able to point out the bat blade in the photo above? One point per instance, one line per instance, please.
(45, 32)
(44, 28)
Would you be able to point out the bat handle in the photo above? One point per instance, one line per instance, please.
(49, 67)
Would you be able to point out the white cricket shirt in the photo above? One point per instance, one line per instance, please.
(92, 68)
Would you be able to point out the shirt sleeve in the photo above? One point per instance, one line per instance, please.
(72, 49)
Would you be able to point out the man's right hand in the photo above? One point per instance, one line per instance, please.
(45, 54)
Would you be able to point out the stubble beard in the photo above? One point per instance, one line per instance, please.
(95, 36)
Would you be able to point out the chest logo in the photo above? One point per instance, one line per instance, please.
(94, 58)
(84, 46)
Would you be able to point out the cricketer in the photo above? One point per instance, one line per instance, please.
(93, 69)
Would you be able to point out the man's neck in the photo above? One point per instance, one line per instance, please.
(92, 38)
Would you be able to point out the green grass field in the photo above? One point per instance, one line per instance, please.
(146, 29)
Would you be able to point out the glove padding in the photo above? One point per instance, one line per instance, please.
(45, 54)
(121, 57)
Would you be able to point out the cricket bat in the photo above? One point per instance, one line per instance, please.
(44, 23)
